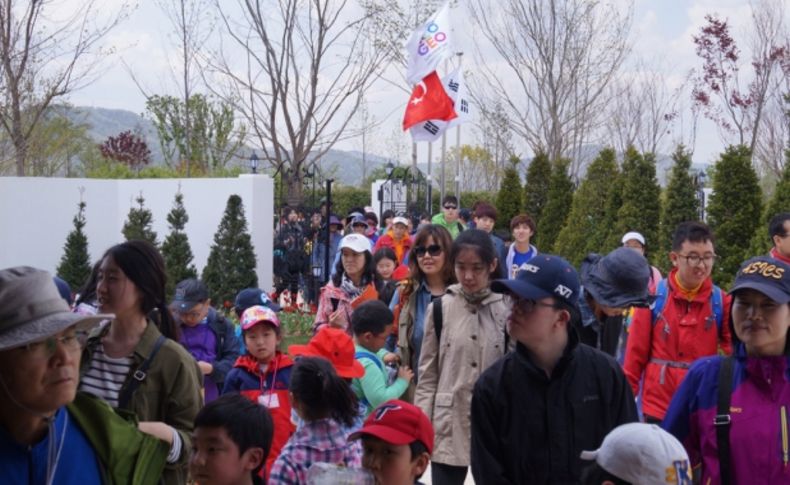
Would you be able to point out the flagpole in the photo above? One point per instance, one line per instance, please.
(413, 188)
(444, 159)
(458, 162)
(430, 179)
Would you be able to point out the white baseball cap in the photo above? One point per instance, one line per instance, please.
(635, 236)
(400, 220)
(644, 454)
(356, 242)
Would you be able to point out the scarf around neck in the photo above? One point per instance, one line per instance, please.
(350, 288)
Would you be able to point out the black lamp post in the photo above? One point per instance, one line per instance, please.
(254, 162)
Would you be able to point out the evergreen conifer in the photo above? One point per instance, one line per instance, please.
(536, 188)
(779, 202)
(681, 202)
(606, 236)
(641, 205)
(75, 265)
(138, 223)
(231, 262)
(734, 211)
(508, 199)
(588, 210)
(558, 205)
(175, 248)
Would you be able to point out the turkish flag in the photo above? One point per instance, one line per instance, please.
(429, 101)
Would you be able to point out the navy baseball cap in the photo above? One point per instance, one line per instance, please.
(767, 275)
(543, 276)
(189, 293)
(249, 297)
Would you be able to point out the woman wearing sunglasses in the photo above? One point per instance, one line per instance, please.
(731, 413)
(471, 337)
(430, 275)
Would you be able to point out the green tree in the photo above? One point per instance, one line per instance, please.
(734, 210)
(508, 200)
(641, 204)
(606, 237)
(558, 205)
(587, 212)
(138, 223)
(231, 262)
(681, 202)
(175, 248)
(75, 265)
(536, 188)
(779, 202)
(214, 137)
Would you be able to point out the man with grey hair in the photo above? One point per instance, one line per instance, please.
(49, 432)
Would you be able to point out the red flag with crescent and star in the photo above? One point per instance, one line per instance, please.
(428, 101)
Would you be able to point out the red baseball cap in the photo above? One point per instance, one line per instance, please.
(334, 345)
(399, 423)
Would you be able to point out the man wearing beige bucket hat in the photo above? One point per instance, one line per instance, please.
(50, 433)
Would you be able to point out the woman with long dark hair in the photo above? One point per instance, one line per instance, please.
(430, 274)
(354, 282)
(134, 361)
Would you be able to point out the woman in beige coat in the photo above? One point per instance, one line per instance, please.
(471, 337)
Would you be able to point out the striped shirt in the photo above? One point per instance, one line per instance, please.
(106, 376)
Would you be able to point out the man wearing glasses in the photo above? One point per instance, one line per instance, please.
(49, 432)
(449, 216)
(687, 321)
(537, 408)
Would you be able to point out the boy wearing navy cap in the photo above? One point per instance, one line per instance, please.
(537, 408)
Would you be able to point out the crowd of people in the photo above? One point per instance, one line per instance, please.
(440, 346)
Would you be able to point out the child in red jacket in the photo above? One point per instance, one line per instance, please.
(263, 374)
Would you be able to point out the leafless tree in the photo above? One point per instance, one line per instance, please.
(306, 67)
(192, 26)
(557, 58)
(774, 134)
(44, 59)
(642, 110)
(496, 137)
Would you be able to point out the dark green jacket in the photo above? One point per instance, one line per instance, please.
(126, 455)
(171, 391)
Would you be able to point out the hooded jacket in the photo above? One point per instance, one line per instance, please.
(661, 352)
(530, 428)
(401, 248)
(455, 228)
(472, 338)
(270, 390)
(759, 407)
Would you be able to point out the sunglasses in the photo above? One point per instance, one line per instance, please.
(433, 250)
(450, 206)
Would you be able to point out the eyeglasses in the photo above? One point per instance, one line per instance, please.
(45, 349)
(450, 206)
(523, 305)
(696, 259)
(433, 250)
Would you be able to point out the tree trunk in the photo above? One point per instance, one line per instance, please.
(294, 184)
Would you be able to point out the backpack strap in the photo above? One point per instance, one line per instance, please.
(717, 306)
(722, 421)
(364, 354)
(438, 318)
(139, 375)
(658, 304)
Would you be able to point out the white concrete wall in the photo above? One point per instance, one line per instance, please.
(36, 215)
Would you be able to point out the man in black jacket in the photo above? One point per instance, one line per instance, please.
(537, 408)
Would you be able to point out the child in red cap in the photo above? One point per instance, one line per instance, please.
(263, 373)
(397, 441)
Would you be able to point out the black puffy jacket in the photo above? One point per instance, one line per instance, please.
(529, 428)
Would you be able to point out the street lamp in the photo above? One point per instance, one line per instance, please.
(254, 162)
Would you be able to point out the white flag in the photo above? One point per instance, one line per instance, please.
(429, 45)
(455, 86)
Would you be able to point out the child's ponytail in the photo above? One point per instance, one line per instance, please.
(322, 393)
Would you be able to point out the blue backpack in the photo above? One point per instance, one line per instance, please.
(716, 303)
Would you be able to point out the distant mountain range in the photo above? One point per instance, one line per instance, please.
(345, 166)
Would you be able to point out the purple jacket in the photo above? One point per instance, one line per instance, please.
(760, 411)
